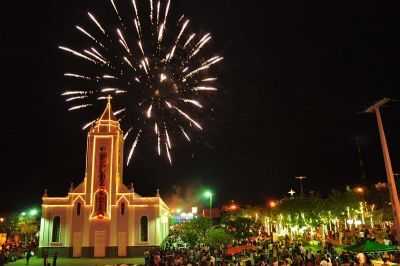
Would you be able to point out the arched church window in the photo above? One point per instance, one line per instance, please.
(78, 209)
(55, 237)
(122, 208)
(144, 230)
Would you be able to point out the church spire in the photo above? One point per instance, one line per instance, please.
(108, 114)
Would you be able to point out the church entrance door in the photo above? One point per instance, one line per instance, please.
(99, 243)
(77, 244)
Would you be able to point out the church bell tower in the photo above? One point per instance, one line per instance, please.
(104, 164)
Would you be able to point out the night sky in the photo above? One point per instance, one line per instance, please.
(295, 78)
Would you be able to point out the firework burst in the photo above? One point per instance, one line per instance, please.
(158, 73)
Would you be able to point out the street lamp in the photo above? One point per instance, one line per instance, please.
(272, 204)
(301, 178)
(2, 220)
(359, 190)
(388, 164)
(33, 212)
(208, 194)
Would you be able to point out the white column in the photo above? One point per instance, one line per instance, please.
(86, 227)
(68, 226)
(113, 227)
(131, 226)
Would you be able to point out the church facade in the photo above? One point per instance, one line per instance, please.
(102, 217)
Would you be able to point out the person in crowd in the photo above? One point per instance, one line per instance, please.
(55, 257)
(45, 256)
(2, 258)
(28, 256)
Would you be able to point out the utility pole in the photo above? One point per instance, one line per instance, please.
(394, 197)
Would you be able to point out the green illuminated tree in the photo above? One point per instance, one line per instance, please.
(217, 237)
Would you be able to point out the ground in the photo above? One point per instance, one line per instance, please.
(81, 262)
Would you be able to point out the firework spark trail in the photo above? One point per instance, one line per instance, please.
(135, 21)
(127, 133)
(116, 10)
(144, 65)
(200, 45)
(204, 89)
(75, 98)
(212, 61)
(185, 134)
(135, 8)
(109, 77)
(86, 126)
(79, 107)
(169, 105)
(197, 70)
(161, 32)
(184, 26)
(160, 78)
(167, 11)
(108, 90)
(123, 41)
(172, 53)
(97, 52)
(88, 35)
(67, 93)
(168, 153)
(141, 47)
(151, 11)
(77, 53)
(128, 62)
(158, 12)
(194, 102)
(158, 144)
(72, 75)
(157, 132)
(191, 37)
(95, 56)
(120, 111)
(148, 113)
(97, 23)
(156, 128)
(168, 139)
(133, 147)
(209, 79)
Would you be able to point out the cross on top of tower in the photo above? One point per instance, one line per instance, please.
(108, 114)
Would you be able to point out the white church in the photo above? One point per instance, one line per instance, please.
(102, 217)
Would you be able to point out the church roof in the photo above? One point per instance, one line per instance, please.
(108, 114)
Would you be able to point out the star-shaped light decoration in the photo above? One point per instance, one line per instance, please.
(292, 192)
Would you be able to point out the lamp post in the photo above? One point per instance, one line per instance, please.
(209, 194)
(388, 164)
(301, 178)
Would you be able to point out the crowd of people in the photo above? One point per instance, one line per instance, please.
(12, 251)
(263, 253)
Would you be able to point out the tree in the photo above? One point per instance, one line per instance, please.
(191, 233)
(198, 226)
(217, 237)
(241, 227)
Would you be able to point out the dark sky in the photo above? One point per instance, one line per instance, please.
(296, 75)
